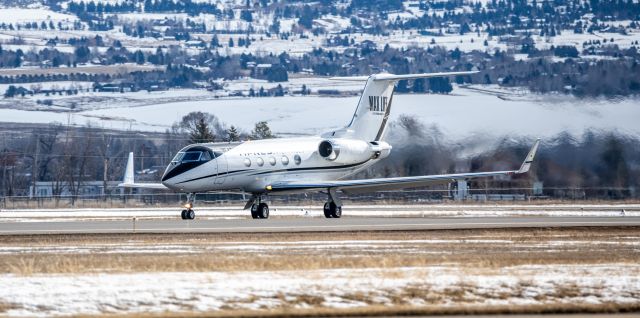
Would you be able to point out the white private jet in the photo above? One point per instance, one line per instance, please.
(305, 164)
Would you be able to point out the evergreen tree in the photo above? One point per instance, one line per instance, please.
(233, 134)
(201, 132)
(306, 19)
(215, 42)
(246, 15)
(261, 131)
(139, 57)
(200, 126)
(10, 92)
(277, 73)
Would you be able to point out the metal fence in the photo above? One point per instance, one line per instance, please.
(382, 197)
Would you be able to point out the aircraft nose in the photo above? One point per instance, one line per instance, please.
(166, 179)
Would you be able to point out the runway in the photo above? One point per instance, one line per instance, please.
(302, 224)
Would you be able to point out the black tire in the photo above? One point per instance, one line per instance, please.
(337, 212)
(327, 210)
(263, 211)
(183, 215)
(191, 214)
(254, 211)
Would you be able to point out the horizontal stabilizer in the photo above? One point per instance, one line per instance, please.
(393, 77)
(350, 78)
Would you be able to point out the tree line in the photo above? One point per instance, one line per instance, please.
(71, 156)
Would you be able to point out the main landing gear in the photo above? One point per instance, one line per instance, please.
(333, 207)
(188, 213)
(259, 209)
(331, 210)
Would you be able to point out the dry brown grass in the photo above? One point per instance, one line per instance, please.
(405, 310)
(524, 246)
(4, 307)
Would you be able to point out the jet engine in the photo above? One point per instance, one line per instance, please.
(352, 151)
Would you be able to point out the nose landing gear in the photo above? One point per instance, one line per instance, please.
(188, 213)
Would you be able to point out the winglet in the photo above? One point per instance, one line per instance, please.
(128, 171)
(529, 159)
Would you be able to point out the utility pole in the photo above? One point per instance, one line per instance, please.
(35, 167)
(106, 143)
(3, 189)
(142, 157)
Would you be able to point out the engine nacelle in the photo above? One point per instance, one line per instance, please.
(352, 151)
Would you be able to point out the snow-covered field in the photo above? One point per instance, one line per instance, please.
(27, 215)
(23, 15)
(521, 270)
(447, 286)
(464, 113)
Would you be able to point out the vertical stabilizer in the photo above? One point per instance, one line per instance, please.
(128, 172)
(370, 118)
(372, 113)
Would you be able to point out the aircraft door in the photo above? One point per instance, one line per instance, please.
(223, 168)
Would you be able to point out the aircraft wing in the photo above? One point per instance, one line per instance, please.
(129, 181)
(367, 185)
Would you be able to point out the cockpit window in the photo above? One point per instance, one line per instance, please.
(206, 156)
(195, 154)
(178, 157)
(191, 156)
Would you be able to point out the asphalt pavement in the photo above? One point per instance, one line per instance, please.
(301, 224)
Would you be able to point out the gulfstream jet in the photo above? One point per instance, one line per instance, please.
(322, 163)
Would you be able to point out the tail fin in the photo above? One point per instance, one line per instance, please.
(128, 171)
(370, 118)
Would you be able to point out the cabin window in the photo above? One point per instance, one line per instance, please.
(272, 161)
(247, 162)
(285, 160)
(260, 162)
(297, 159)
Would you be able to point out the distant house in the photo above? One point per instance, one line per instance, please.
(260, 70)
(453, 28)
(196, 44)
(116, 87)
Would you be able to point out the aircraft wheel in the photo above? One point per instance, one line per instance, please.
(184, 214)
(327, 210)
(191, 214)
(336, 212)
(263, 211)
(254, 211)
